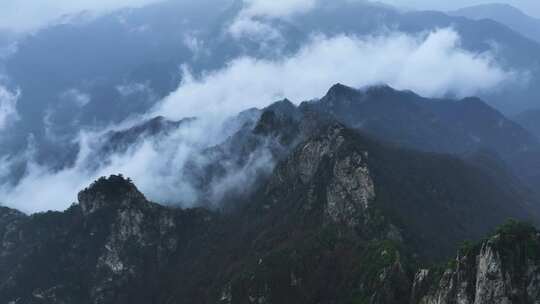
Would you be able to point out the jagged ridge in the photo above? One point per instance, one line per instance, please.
(341, 218)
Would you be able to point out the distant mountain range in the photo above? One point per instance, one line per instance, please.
(121, 64)
(505, 14)
(341, 218)
(435, 125)
(467, 129)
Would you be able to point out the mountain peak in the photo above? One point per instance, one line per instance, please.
(113, 191)
(340, 90)
(278, 117)
(383, 90)
(512, 17)
(284, 106)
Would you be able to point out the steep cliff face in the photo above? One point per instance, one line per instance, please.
(348, 188)
(137, 244)
(340, 218)
(317, 234)
(434, 125)
(113, 247)
(503, 269)
(10, 222)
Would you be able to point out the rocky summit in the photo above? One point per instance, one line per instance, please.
(340, 218)
(502, 269)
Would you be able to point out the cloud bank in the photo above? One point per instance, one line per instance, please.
(156, 165)
(432, 64)
(252, 20)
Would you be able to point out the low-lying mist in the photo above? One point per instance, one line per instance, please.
(432, 64)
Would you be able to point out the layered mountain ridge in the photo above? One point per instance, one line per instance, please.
(133, 75)
(505, 14)
(434, 125)
(341, 218)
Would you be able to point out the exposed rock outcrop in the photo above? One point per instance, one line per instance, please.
(113, 247)
(113, 192)
(348, 186)
(341, 218)
(504, 269)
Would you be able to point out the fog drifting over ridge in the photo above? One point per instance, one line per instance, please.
(432, 64)
(26, 15)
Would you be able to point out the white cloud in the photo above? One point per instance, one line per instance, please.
(129, 89)
(195, 45)
(277, 8)
(155, 165)
(432, 64)
(251, 28)
(77, 97)
(8, 106)
(252, 19)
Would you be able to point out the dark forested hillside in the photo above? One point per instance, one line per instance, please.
(342, 218)
(435, 125)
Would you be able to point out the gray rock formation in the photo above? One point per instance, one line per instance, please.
(349, 188)
(504, 269)
(341, 218)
